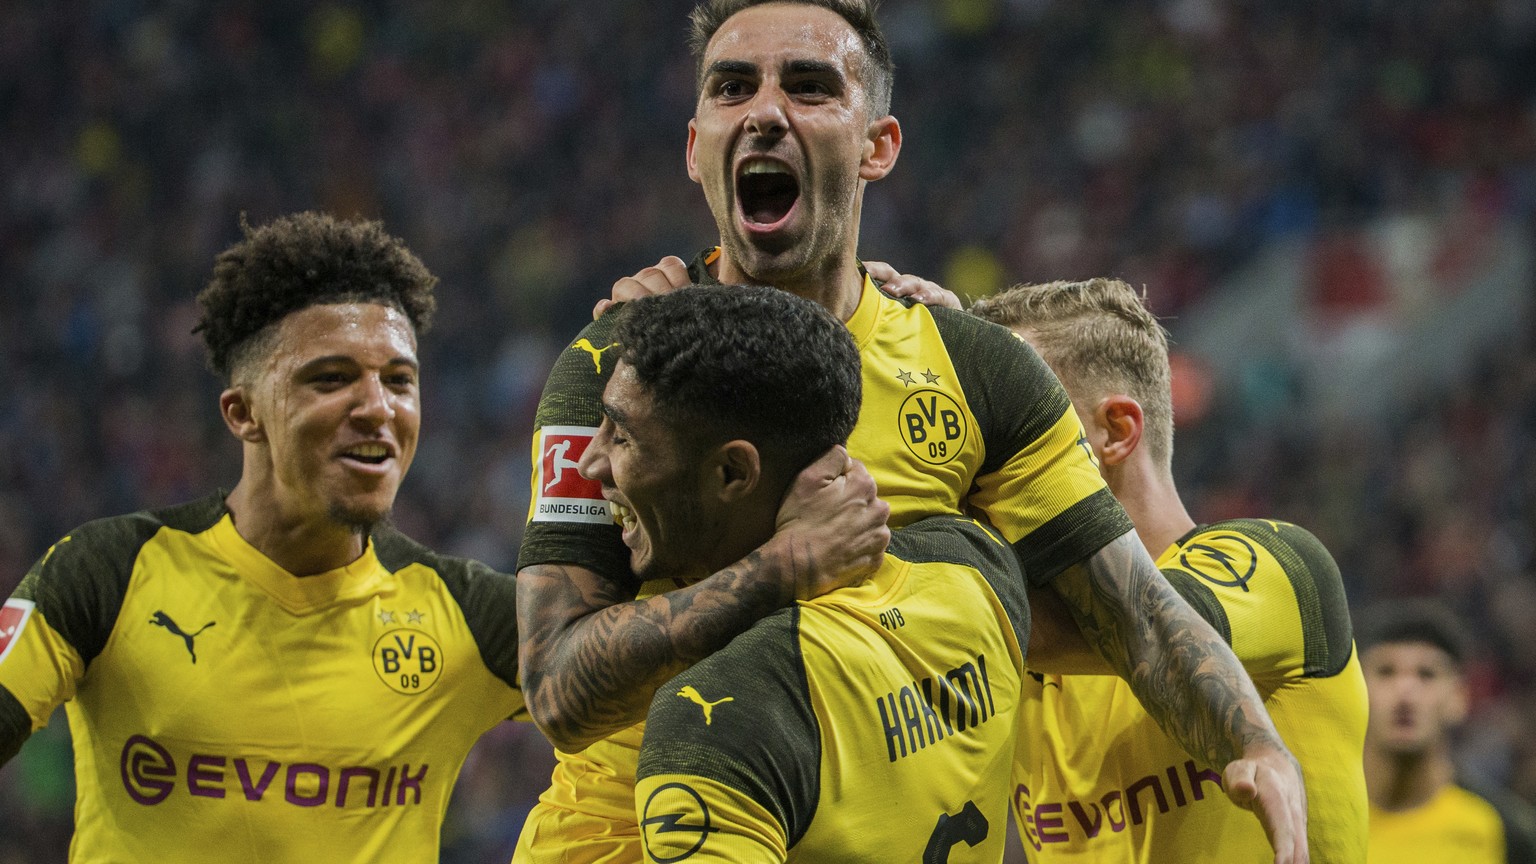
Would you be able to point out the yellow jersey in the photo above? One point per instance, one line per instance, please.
(958, 413)
(224, 709)
(872, 724)
(1097, 780)
(1458, 825)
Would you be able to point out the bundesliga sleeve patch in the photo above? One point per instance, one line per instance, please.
(13, 617)
(560, 493)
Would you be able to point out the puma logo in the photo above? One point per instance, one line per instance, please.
(694, 696)
(161, 619)
(596, 352)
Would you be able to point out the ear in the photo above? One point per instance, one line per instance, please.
(239, 415)
(693, 164)
(881, 147)
(737, 469)
(1460, 704)
(1121, 421)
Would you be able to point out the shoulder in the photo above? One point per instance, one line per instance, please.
(743, 718)
(1241, 573)
(1516, 816)
(486, 597)
(978, 346)
(119, 538)
(80, 582)
(954, 540)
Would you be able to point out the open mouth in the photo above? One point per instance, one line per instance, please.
(621, 514)
(767, 191)
(368, 454)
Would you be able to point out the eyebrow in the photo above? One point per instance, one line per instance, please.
(730, 67)
(619, 418)
(343, 358)
(813, 67)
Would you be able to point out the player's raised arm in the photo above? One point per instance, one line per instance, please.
(591, 656)
(1190, 682)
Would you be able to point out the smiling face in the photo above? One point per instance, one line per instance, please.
(1416, 696)
(334, 411)
(782, 138)
(654, 483)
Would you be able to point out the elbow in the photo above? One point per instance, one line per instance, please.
(561, 727)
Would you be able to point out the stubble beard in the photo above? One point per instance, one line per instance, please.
(357, 519)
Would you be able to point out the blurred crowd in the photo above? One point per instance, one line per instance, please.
(531, 152)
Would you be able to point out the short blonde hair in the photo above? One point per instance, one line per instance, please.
(1099, 338)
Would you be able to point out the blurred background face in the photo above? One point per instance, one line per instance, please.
(1417, 696)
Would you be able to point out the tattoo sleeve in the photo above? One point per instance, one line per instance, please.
(1186, 677)
(591, 657)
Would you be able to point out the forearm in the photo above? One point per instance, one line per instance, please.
(591, 660)
(1185, 676)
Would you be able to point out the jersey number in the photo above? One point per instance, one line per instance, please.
(968, 825)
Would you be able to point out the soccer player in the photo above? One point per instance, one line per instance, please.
(791, 123)
(274, 673)
(869, 724)
(1097, 780)
(1414, 654)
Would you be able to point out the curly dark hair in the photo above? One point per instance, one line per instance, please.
(302, 260)
(736, 361)
(879, 69)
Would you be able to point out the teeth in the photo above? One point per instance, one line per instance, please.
(763, 166)
(369, 451)
(621, 513)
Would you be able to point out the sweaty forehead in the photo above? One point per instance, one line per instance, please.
(775, 34)
(366, 331)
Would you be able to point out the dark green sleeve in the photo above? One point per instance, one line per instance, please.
(1202, 600)
(771, 753)
(80, 583)
(573, 397)
(15, 726)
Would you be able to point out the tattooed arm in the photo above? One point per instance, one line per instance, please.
(591, 657)
(1190, 682)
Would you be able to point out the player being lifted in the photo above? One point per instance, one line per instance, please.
(792, 121)
(870, 722)
(1097, 780)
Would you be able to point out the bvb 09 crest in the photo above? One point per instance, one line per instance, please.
(933, 425)
(408, 661)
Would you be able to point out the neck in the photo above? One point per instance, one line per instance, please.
(1151, 500)
(835, 284)
(302, 544)
(1403, 781)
